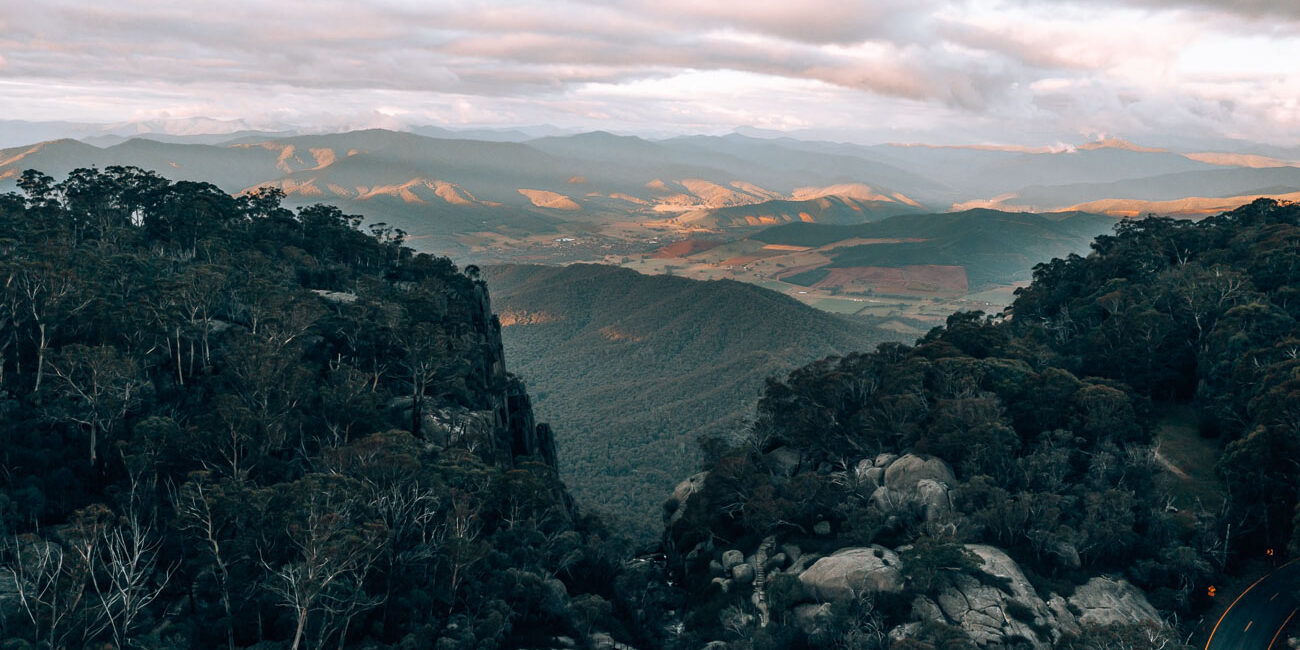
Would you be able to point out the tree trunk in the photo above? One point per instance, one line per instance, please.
(297, 633)
(40, 360)
(343, 634)
(180, 376)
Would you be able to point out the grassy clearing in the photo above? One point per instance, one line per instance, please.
(837, 306)
(1189, 457)
(880, 310)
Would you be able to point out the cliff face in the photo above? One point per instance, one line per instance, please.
(496, 420)
(515, 430)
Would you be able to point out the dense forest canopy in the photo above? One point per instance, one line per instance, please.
(223, 423)
(632, 369)
(1044, 425)
(1204, 312)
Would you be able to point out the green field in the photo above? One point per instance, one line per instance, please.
(839, 306)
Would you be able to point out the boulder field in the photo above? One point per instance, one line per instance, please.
(995, 605)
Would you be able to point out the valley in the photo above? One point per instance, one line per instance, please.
(633, 370)
(905, 273)
(906, 306)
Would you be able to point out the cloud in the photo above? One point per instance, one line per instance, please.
(818, 22)
(1056, 65)
(1272, 9)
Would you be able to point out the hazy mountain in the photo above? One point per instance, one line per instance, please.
(1212, 182)
(631, 369)
(1064, 176)
(992, 170)
(204, 130)
(496, 195)
(518, 134)
(236, 137)
(821, 167)
(231, 168)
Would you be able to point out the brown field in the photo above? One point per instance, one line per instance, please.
(741, 260)
(685, 248)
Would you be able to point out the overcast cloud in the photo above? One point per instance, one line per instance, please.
(972, 70)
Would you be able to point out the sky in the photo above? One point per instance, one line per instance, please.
(961, 71)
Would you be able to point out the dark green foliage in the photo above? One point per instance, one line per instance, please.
(784, 591)
(633, 369)
(1202, 312)
(807, 278)
(1046, 419)
(223, 423)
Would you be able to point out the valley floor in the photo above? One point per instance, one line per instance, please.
(907, 307)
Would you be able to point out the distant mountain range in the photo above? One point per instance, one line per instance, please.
(444, 187)
(440, 190)
(631, 369)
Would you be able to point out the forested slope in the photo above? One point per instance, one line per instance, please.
(224, 424)
(1204, 313)
(632, 368)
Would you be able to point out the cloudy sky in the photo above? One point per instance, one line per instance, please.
(1015, 71)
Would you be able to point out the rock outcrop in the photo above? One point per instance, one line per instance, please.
(1006, 608)
(811, 617)
(934, 498)
(784, 460)
(682, 494)
(908, 481)
(997, 611)
(905, 472)
(995, 607)
(852, 571)
(1103, 601)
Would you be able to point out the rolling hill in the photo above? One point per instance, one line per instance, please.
(988, 246)
(833, 209)
(926, 257)
(632, 369)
